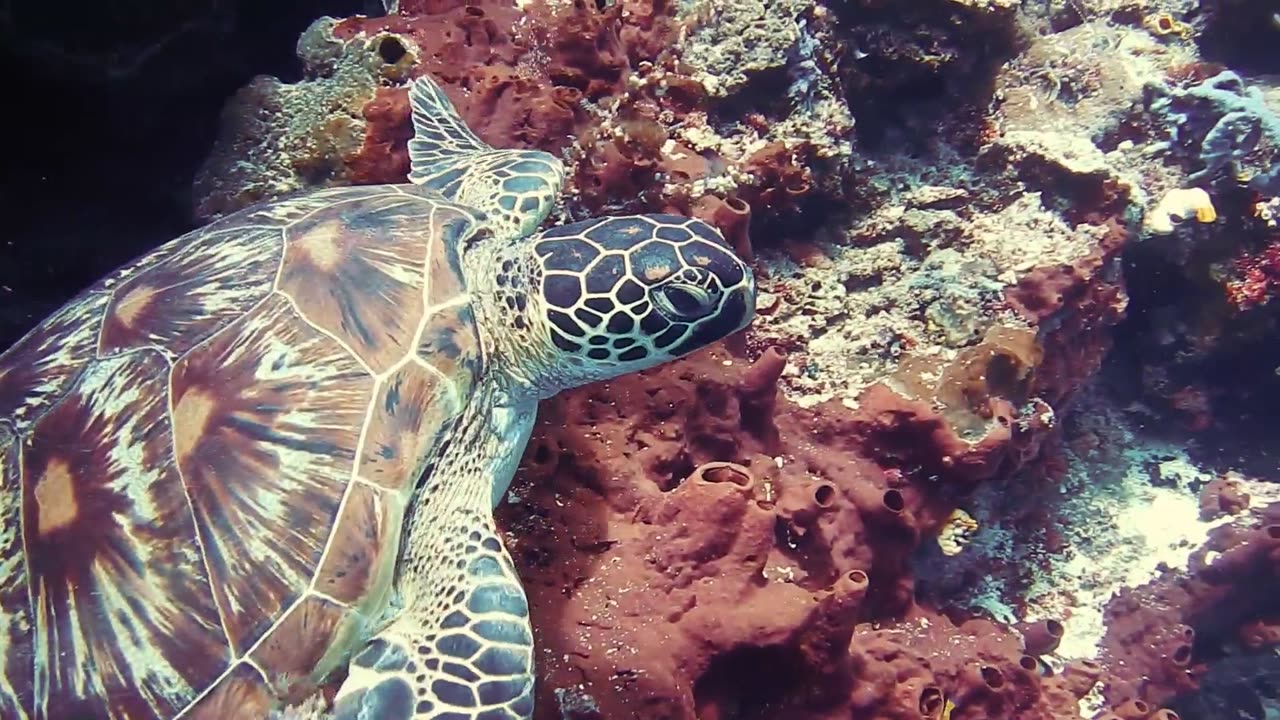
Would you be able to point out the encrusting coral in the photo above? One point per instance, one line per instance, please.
(1216, 133)
(1221, 120)
(600, 85)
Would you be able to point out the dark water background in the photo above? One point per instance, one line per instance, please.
(106, 136)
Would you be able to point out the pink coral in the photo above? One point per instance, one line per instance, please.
(1257, 277)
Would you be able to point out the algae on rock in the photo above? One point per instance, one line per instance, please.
(741, 38)
(278, 138)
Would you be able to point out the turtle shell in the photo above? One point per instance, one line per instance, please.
(206, 458)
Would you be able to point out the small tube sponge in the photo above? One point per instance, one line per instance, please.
(956, 532)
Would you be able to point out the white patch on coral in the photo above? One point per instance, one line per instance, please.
(1120, 533)
(1120, 530)
(1128, 510)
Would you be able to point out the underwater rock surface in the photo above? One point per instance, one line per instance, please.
(912, 489)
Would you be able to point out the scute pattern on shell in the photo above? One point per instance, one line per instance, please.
(205, 459)
(266, 422)
(116, 587)
(16, 670)
(194, 294)
(40, 367)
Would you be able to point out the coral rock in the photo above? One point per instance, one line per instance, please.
(599, 85)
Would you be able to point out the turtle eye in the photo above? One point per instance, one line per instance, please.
(680, 301)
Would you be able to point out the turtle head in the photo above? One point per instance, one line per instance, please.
(615, 295)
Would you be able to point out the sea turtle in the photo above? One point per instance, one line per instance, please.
(269, 451)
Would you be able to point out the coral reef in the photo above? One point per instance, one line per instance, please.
(1223, 606)
(641, 125)
(910, 63)
(899, 494)
(1204, 323)
(1237, 686)
(1220, 122)
(1122, 565)
(633, 559)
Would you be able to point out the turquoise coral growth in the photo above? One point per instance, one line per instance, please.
(1237, 118)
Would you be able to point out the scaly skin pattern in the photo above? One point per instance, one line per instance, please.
(515, 188)
(271, 448)
(462, 646)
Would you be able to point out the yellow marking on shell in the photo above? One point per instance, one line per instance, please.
(189, 295)
(956, 532)
(411, 356)
(117, 409)
(324, 246)
(305, 395)
(133, 304)
(186, 491)
(429, 311)
(56, 497)
(369, 257)
(190, 419)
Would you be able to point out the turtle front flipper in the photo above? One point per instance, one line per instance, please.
(461, 645)
(473, 660)
(516, 188)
